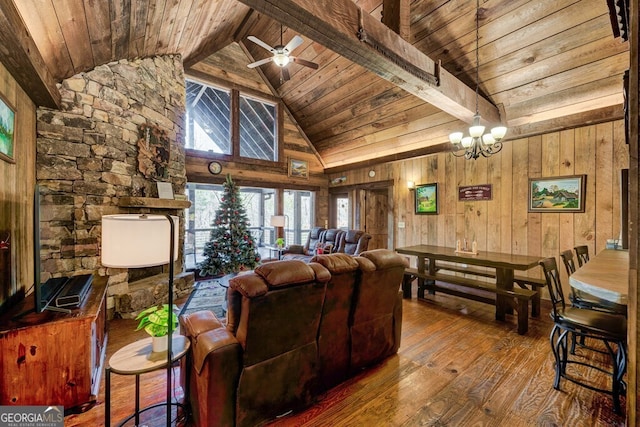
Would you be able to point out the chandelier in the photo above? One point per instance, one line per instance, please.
(477, 143)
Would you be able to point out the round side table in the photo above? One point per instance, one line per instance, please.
(135, 359)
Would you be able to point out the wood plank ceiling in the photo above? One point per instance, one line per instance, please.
(546, 65)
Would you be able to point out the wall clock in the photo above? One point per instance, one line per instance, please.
(372, 173)
(215, 168)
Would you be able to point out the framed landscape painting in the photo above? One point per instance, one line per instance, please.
(557, 194)
(7, 125)
(426, 199)
(298, 168)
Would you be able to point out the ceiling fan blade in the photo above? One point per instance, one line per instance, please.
(304, 62)
(294, 43)
(285, 74)
(261, 62)
(261, 43)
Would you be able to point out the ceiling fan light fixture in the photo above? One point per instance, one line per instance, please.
(281, 59)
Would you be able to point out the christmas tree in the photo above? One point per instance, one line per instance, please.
(230, 247)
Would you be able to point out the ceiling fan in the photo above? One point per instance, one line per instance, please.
(282, 55)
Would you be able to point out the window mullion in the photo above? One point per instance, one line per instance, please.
(235, 123)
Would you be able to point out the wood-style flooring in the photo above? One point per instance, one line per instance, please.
(456, 366)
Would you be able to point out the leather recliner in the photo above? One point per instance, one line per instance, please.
(353, 242)
(265, 361)
(377, 308)
(304, 252)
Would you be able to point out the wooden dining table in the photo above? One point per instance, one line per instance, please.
(504, 264)
(605, 276)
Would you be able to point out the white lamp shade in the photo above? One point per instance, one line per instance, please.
(133, 241)
(467, 141)
(476, 131)
(455, 137)
(278, 221)
(498, 132)
(488, 139)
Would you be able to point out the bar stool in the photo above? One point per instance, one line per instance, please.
(610, 329)
(582, 299)
(582, 253)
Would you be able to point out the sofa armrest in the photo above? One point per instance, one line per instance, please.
(213, 369)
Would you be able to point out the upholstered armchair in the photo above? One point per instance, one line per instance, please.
(353, 242)
(265, 361)
(306, 250)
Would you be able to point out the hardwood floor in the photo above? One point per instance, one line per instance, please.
(456, 366)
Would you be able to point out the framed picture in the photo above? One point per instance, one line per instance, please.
(298, 168)
(426, 198)
(557, 194)
(7, 126)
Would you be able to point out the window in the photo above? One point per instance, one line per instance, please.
(257, 129)
(299, 208)
(209, 123)
(259, 204)
(208, 119)
(342, 212)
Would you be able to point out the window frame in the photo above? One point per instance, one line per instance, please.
(235, 91)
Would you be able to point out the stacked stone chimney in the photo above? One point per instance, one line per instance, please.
(87, 160)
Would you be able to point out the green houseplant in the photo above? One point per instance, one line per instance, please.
(155, 321)
(280, 242)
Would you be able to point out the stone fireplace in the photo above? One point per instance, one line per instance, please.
(88, 166)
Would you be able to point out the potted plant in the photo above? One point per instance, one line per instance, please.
(155, 321)
(280, 242)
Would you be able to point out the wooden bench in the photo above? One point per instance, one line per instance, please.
(524, 282)
(520, 296)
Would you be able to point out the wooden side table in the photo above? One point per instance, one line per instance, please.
(135, 359)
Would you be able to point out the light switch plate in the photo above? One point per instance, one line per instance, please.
(400, 224)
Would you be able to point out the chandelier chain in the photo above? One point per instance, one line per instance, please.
(477, 143)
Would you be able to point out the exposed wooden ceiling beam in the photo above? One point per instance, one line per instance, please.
(20, 56)
(396, 14)
(337, 25)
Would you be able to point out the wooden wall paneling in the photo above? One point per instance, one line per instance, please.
(413, 227)
(460, 206)
(17, 182)
(519, 185)
(447, 236)
(494, 225)
(506, 205)
(567, 167)
(584, 223)
(604, 186)
(481, 209)
(620, 161)
(550, 222)
(534, 229)
(433, 221)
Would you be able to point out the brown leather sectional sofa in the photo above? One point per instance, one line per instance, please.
(293, 330)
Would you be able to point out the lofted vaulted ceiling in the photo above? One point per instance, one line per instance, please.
(543, 65)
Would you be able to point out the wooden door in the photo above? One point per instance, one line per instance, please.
(375, 216)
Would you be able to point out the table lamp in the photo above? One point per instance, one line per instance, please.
(140, 240)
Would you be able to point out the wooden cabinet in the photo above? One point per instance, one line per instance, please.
(54, 358)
